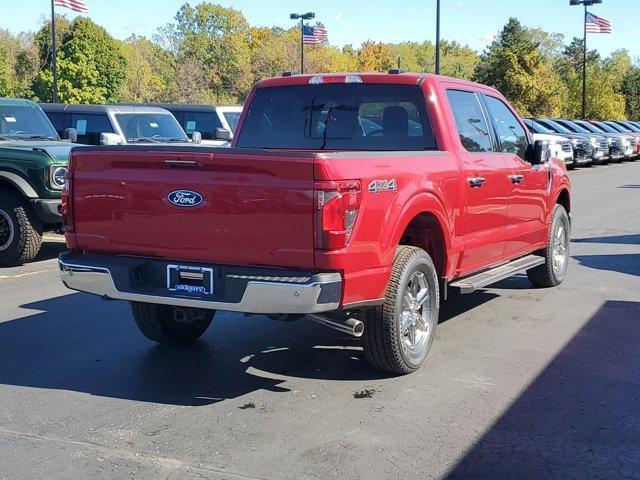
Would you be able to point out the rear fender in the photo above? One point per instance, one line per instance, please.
(424, 202)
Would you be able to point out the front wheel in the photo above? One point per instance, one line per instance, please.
(167, 324)
(398, 335)
(20, 231)
(556, 254)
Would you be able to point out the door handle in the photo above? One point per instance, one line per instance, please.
(516, 178)
(476, 182)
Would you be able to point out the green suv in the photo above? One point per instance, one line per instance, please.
(33, 167)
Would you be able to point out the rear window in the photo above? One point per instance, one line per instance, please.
(338, 117)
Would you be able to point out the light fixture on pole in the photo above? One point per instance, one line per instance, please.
(302, 17)
(586, 3)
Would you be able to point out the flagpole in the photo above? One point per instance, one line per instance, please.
(301, 45)
(584, 66)
(54, 53)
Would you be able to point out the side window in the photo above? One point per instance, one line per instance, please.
(90, 126)
(511, 135)
(470, 120)
(57, 120)
(203, 122)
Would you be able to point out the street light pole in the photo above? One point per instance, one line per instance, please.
(584, 66)
(586, 3)
(437, 37)
(302, 17)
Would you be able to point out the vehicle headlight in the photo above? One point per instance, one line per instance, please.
(574, 141)
(626, 142)
(609, 140)
(57, 176)
(594, 141)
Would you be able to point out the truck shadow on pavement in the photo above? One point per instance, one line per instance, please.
(630, 239)
(580, 418)
(50, 250)
(81, 343)
(628, 263)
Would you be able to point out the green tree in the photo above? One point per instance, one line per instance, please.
(375, 57)
(91, 67)
(218, 38)
(631, 91)
(514, 65)
(149, 71)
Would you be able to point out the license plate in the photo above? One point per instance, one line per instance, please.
(190, 280)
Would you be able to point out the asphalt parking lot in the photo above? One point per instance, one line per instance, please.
(521, 383)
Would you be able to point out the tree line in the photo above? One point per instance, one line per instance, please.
(211, 54)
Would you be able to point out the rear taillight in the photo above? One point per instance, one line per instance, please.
(337, 204)
(66, 208)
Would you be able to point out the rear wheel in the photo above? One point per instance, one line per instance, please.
(20, 231)
(556, 255)
(167, 324)
(398, 335)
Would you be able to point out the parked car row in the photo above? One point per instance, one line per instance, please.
(586, 143)
(145, 123)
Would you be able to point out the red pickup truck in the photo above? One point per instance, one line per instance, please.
(355, 200)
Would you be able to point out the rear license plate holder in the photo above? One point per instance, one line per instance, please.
(190, 280)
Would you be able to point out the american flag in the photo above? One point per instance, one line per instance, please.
(75, 5)
(314, 35)
(595, 24)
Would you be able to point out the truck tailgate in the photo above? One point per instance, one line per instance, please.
(241, 207)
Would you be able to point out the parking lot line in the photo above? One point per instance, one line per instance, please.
(19, 275)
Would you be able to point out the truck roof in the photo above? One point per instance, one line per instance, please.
(62, 107)
(16, 102)
(403, 78)
(195, 107)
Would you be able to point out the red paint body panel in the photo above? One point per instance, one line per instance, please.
(258, 206)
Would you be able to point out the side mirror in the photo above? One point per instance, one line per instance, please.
(222, 134)
(70, 134)
(196, 137)
(109, 139)
(540, 153)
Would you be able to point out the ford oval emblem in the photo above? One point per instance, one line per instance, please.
(185, 198)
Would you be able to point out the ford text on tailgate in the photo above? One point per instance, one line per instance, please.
(353, 200)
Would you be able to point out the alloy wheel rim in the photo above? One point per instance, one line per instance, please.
(560, 251)
(416, 324)
(6, 230)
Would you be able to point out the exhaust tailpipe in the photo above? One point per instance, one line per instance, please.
(350, 326)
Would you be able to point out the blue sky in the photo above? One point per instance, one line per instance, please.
(471, 22)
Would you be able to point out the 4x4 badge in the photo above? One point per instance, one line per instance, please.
(389, 185)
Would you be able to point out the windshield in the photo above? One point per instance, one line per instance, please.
(537, 128)
(592, 128)
(605, 127)
(617, 128)
(575, 127)
(632, 127)
(150, 127)
(557, 127)
(345, 116)
(232, 119)
(25, 122)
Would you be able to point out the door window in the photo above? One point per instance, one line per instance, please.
(203, 122)
(511, 135)
(470, 121)
(90, 126)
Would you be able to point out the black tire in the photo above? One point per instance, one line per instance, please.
(386, 345)
(20, 231)
(171, 325)
(551, 273)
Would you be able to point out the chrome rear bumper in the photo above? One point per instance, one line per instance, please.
(320, 292)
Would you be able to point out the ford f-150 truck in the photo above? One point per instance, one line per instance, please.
(356, 200)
